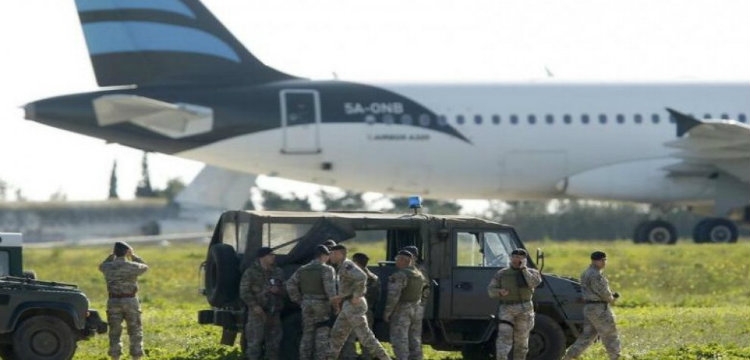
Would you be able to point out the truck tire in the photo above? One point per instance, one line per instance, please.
(6, 352)
(547, 339)
(222, 275)
(44, 338)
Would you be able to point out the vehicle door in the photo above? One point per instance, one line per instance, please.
(477, 257)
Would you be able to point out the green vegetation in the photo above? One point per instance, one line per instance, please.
(678, 302)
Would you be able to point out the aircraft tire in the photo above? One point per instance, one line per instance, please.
(717, 230)
(639, 235)
(660, 232)
(222, 275)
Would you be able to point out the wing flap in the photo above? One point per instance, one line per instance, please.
(176, 120)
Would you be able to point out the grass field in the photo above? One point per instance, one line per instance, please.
(686, 301)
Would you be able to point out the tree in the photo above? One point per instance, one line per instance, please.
(174, 187)
(437, 207)
(58, 195)
(350, 201)
(113, 182)
(274, 201)
(144, 185)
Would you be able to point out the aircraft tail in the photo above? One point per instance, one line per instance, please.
(165, 42)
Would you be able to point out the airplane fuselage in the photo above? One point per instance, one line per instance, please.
(509, 141)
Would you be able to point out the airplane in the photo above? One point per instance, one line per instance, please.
(178, 82)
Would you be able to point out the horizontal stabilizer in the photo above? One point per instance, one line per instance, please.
(176, 121)
(720, 144)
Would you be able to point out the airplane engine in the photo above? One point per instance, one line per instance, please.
(647, 178)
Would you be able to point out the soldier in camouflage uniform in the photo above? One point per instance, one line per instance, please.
(598, 318)
(262, 290)
(427, 289)
(351, 317)
(121, 270)
(402, 306)
(313, 286)
(372, 295)
(514, 286)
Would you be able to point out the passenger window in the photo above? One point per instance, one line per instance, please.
(370, 119)
(567, 119)
(638, 118)
(424, 120)
(585, 119)
(460, 119)
(496, 119)
(655, 118)
(370, 242)
(477, 119)
(514, 119)
(388, 119)
(229, 235)
(468, 250)
(620, 118)
(442, 120)
(602, 119)
(497, 249)
(406, 119)
(725, 116)
(532, 119)
(706, 116)
(550, 119)
(742, 118)
(283, 237)
(492, 251)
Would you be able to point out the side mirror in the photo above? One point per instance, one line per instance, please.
(540, 259)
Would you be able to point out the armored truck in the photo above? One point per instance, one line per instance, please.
(459, 253)
(39, 320)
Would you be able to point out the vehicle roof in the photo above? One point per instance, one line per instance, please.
(344, 216)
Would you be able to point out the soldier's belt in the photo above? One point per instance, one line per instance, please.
(595, 302)
(121, 296)
(514, 302)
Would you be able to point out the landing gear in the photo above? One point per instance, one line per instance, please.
(655, 232)
(715, 230)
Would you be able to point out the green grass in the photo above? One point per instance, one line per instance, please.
(685, 301)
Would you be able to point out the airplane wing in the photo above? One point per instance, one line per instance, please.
(708, 146)
(173, 120)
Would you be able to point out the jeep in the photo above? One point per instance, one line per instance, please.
(459, 253)
(39, 320)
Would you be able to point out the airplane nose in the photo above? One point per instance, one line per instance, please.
(29, 111)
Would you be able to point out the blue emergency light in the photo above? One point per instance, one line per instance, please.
(415, 202)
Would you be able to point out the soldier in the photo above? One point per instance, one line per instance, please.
(402, 306)
(420, 266)
(313, 286)
(353, 307)
(598, 318)
(121, 270)
(372, 295)
(514, 286)
(262, 290)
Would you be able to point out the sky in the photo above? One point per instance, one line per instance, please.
(44, 54)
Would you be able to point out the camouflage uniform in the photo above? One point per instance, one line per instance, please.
(352, 316)
(372, 295)
(403, 303)
(598, 316)
(516, 311)
(256, 288)
(312, 286)
(425, 293)
(122, 285)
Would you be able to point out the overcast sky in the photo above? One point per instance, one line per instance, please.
(44, 55)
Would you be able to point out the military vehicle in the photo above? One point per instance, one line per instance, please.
(459, 253)
(39, 320)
